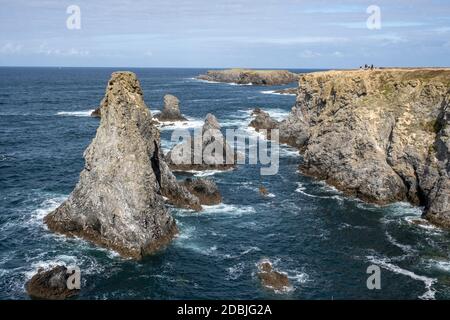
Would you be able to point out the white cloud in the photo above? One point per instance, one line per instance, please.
(299, 40)
(307, 54)
(49, 51)
(388, 38)
(11, 48)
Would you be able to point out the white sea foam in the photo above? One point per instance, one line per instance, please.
(298, 276)
(250, 249)
(228, 209)
(86, 113)
(235, 272)
(423, 224)
(404, 247)
(289, 152)
(46, 207)
(205, 81)
(301, 189)
(428, 282)
(190, 123)
(440, 265)
(277, 93)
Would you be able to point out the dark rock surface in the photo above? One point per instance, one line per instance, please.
(263, 121)
(50, 284)
(171, 110)
(271, 278)
(212, 152)
(118, 202)
(96, 113)
(205, 189)
(382, 135)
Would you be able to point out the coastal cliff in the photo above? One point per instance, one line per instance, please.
(381, 135)
(253, 77)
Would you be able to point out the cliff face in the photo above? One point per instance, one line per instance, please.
(118, 201)
(380, 135)
(254, 77)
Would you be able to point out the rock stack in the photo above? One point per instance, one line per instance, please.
(119, 200)
(171, 110)
(212, 152)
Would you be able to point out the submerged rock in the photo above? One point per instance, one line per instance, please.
(263, 191)
(382, 135)
(210, 151)
(253, 77)
(205, 189)
(271, 278)
(171, 110)
(50, 284)
(118, 202)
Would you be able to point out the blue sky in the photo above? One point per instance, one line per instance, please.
(225, 33)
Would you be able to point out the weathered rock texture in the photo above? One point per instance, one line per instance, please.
(50, 284)
(96, 113)
(263, 121)
(209, 151)
(205, 189)
(118, 202)
(254, 77)
(271, 278)
(381, 135)
(171, 110)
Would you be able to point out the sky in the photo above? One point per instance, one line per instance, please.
(225, 33)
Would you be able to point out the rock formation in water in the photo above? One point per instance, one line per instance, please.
(205, 189)
(381, 135)
(118, 202)
(96, 113)
(253, 77)
(271, 278)
(208, 151)
(171, 110)
(263, 121)
(50, 284)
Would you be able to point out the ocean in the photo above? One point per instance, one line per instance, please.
(323, 240)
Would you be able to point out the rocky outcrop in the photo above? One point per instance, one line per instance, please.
(206, 151)
(50, 284)
(253, 77)
(205, 189)
(271, 278)
(171, 110)
(380, 135)
(96, 113)
(118, 202)
(289, 132)
(262, 120)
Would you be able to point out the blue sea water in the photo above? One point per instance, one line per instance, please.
(323, 240)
